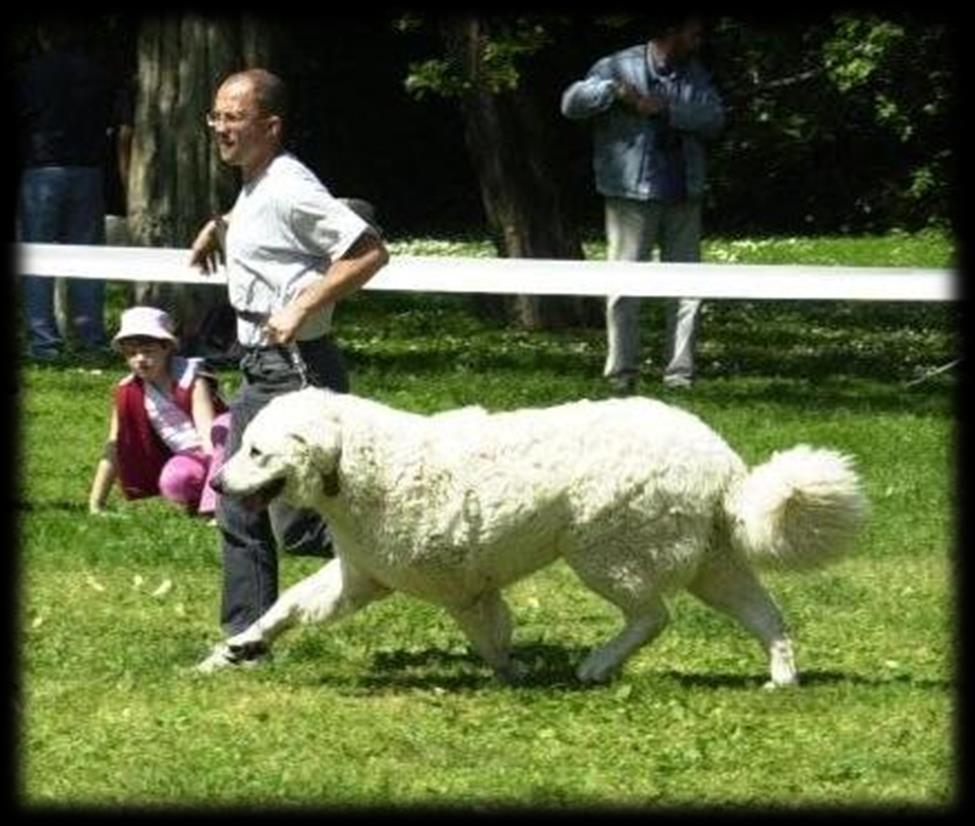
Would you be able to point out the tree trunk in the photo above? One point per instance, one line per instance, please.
(177, 180)
(506, 140)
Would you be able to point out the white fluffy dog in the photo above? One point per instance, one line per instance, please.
(638, 497)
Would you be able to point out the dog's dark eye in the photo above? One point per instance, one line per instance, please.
(254, 452)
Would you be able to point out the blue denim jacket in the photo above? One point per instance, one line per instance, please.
(626, 156)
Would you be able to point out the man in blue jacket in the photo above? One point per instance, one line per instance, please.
(653, 107)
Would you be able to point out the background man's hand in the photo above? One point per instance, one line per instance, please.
(206, 254)
(643, 104)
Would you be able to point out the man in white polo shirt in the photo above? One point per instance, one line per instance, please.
(292, 250)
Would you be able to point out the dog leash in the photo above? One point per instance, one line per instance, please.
(298, 362)
(294, 354)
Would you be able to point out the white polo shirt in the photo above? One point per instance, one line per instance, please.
(285, 230)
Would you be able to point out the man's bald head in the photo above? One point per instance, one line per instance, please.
(270, 92)
(248, 119)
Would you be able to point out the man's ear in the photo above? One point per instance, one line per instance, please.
(276, 127)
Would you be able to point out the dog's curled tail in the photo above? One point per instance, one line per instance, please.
(800, 510)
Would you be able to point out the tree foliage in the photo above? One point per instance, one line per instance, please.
(507, 139)
(504, 49)
(840, 124)
(843, 122)
(836, 123)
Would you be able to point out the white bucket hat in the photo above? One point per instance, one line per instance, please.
(147, 322)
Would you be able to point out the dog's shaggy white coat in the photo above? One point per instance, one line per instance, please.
(638, 497)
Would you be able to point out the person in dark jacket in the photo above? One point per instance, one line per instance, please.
(64, 106)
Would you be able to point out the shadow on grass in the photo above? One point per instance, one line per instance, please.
(548, 667)
(442, 360)
(934, 397)
(552, 667)
(56, 505)
(764, 359)
(807, 679)
(838, 381)
(847, 363)
(850, 356)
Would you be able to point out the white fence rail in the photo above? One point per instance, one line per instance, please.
(532, 276)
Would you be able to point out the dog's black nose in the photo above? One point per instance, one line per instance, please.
(217, 484)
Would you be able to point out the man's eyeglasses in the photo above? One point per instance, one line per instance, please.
(214, 119)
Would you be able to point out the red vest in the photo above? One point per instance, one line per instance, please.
(140, 453)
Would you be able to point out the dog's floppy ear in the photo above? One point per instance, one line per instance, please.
(330, 478)
(322, 440)
(323, 444)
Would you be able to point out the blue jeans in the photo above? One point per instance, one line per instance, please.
(62, 205)
(251, 538)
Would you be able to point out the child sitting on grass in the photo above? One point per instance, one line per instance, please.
(168, 426)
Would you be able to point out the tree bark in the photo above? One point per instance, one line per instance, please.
(506, 139)
(176, 180)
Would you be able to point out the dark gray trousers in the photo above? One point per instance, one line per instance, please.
(250, 539)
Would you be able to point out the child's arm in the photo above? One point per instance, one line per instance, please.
(106, 470)
(203, 414)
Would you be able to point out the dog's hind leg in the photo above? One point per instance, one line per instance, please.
(334, 591)
(632, 589)
(729, 586)
(643, 624)
(487, 624)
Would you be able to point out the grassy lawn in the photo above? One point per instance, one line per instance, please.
(389, 708)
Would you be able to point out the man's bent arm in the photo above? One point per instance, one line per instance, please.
(347, 274)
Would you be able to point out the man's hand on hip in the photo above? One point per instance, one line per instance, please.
(283, 326)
